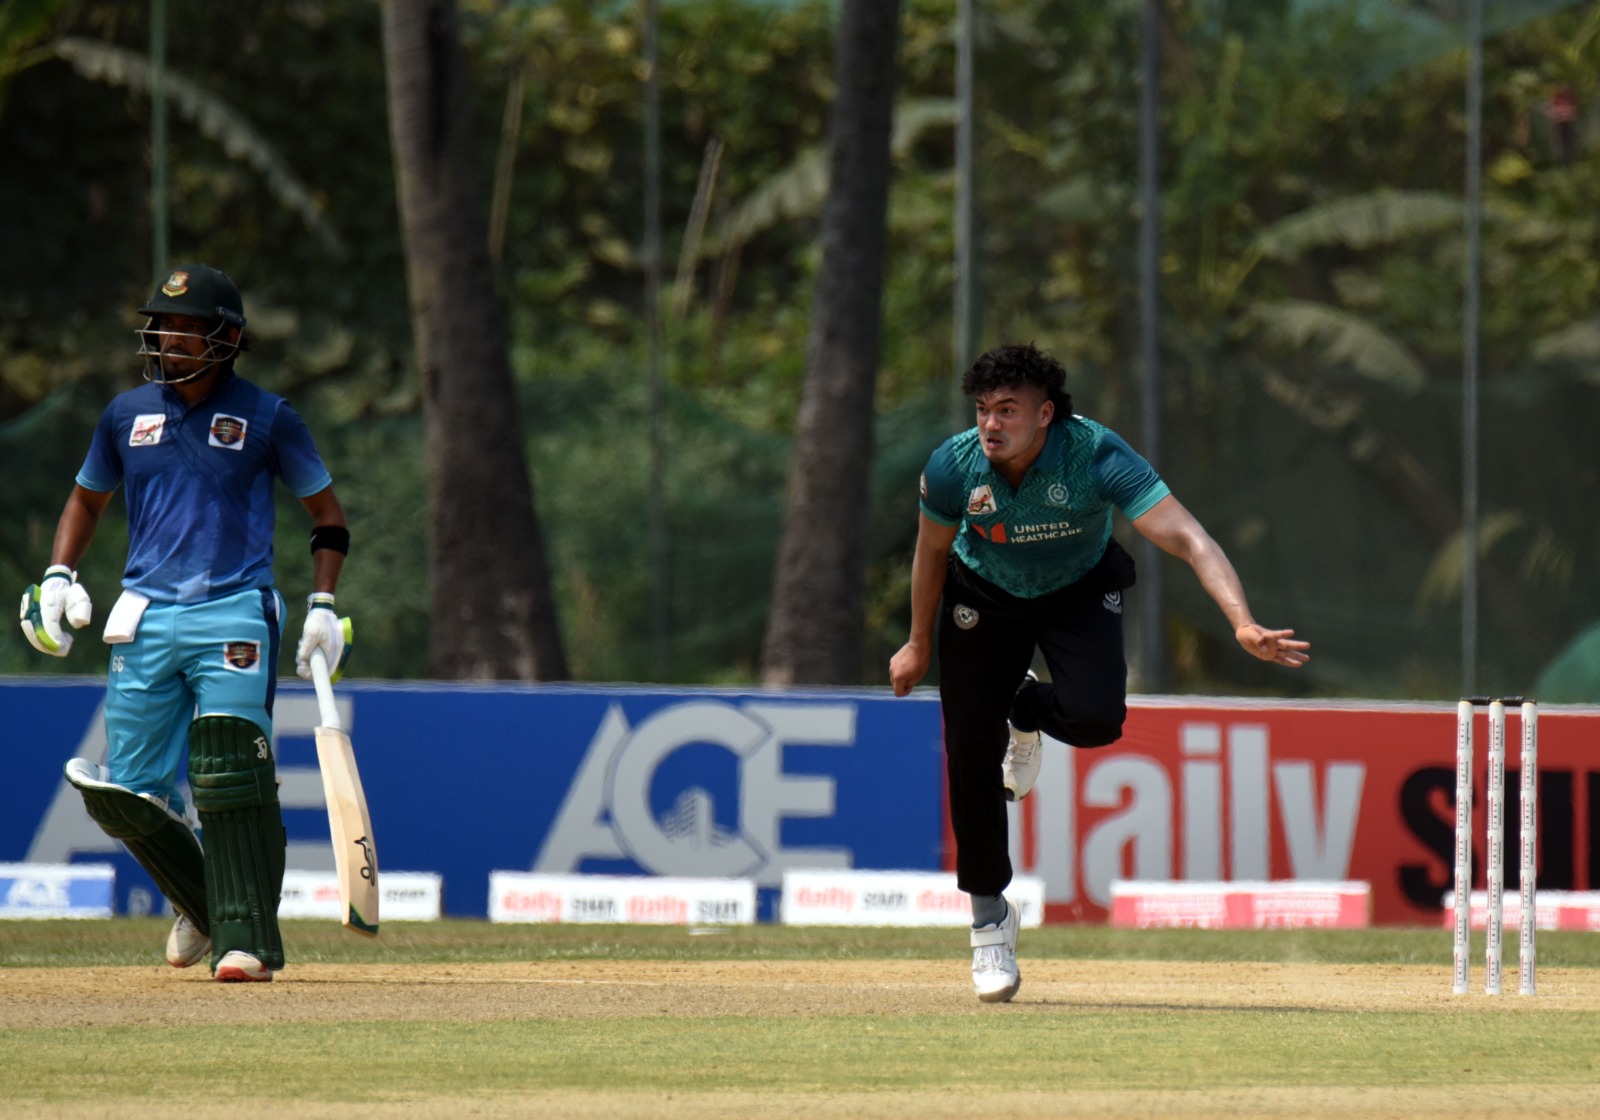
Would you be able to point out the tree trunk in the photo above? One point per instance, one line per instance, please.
(815, 633)
(493, 617)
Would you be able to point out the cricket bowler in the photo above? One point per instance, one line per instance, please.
(1015, 554)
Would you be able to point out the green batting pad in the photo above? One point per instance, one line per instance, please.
(233, 780)
(158, 838)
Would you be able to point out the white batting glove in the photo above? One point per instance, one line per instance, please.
(326, 631)
(45, 603)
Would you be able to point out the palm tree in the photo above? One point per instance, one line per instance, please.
(493, 616)
(815, 633)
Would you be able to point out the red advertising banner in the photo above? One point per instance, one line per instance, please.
(1231, 791)
(1290, 904)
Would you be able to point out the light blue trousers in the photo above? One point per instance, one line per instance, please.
(214, 658)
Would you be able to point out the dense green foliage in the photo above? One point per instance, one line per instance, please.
(1312, 287)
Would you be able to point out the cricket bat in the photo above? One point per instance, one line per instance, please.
(353, 853)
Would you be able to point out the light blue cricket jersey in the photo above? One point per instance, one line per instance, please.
(198, 484)
(1049, 532)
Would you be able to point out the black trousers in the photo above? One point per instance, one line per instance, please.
(986, 641)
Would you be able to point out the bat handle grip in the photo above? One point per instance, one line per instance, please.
(324, 686)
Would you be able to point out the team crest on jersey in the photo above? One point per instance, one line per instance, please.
(176, 285)
(243, 656)
(965, 617)
(1057, 495)
(980, 501)
(1114, 602)
(147, 430)
(227, 431)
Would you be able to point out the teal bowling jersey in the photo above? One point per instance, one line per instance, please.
(1049, 532)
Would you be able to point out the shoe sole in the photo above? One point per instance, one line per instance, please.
(1004, 995)
(231, 975)
(241, 968)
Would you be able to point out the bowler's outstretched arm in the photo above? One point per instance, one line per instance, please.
(1175, 530)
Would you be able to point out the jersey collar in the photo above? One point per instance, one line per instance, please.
(225, 379)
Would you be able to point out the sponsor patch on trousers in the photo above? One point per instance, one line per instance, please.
(242, 657)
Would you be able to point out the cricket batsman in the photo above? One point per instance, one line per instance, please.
(196, 633)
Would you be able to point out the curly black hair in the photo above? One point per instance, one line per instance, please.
(1016, 364)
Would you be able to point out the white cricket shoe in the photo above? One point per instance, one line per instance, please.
(237, 966)
(994, 958)
(1020, 769)
(186, 944)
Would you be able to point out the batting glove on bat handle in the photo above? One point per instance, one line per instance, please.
(44, 604)
(326, 631)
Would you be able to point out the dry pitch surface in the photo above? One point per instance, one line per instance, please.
(158, 997)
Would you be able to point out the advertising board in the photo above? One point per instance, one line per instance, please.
(747, 784)
(463, 780)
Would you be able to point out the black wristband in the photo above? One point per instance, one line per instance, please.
(336, 537)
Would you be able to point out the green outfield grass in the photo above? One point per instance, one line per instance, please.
(135, 941)
(1203, 1050)
(412, 1046)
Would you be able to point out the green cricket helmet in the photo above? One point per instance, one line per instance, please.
(196, 291)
